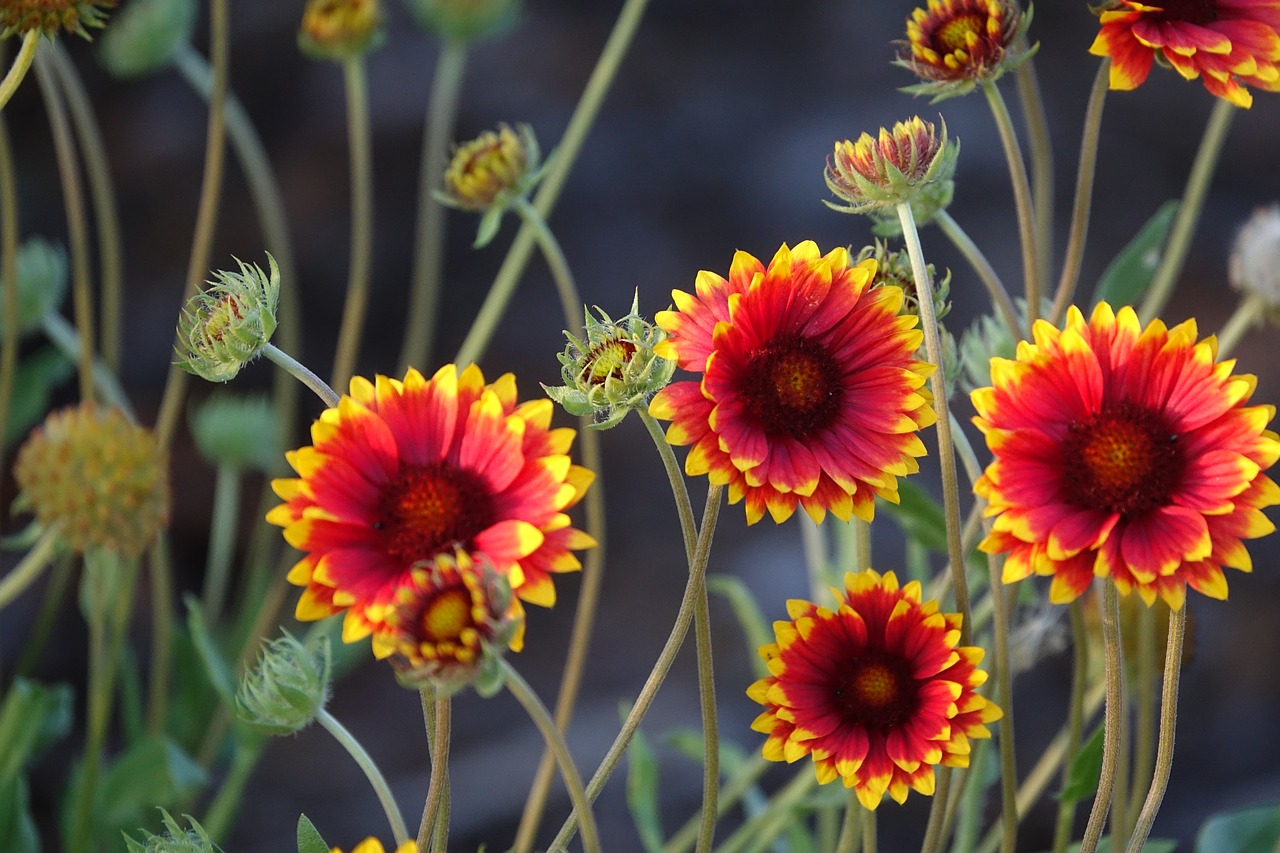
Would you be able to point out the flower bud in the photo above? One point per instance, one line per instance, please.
(288, 687)
(226, 326)
(894, 268)
(1254, 267)
(466, 20)
(50, 16)
(145, 35)
(42, 283)
(175, 838)
(488, 173)
(237, 431)
(955, 45)
(340, 29)
(613, 371)
(97, 478)
(911, 163)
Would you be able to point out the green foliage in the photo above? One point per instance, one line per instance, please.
(919, 515)
(1086, 769)
(32, 717)
(1127, 276)
(642, 789)
(18, 832)
(1250, 830)
(309, 838)
(37, 376)
(749, 616)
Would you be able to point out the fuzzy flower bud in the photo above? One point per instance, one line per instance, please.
(466, 20)
(340, 29)
(42, 283)
(490, 172)
(288, 687)
(145, 35)
(955, 45)
(175, 839)
(1254, 267)
(226, 326)
(50, 16)
(911, 163)
(98, 478)
(894, 268)
(613, 371)
(450, 626)
(237, 431)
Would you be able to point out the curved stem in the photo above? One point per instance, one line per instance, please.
(371, 772)
(438, 715)
(222, 537)
(1249, 313)
(428, 250)
(851, 831)
(360, 267)
(9, 237)
(584, 115)
(1021, 198)
(21, 64)
(300, 372)
(1041, 156)
(986, 273)
(570, 302)
(160, 573)
(1075, 719)
(710, 725)
(572, 780)
(933, 830)
(1184, 224)
(1168, 720)
(29, 567)
(946, 448)
(1111, 727)
(207, 212)
(1083, 204)
(63, 335)
(734, 790)
(77, 226)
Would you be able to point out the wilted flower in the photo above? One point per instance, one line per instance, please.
(18, 17)
(225, 327)
(911, 163)
(465, 20)
(487, 174)
(955, 45)
(613, 371)
(288, 687)
(1255, 259)
(339, 29)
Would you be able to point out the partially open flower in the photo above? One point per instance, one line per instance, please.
(955, 45)
(488, 173)
(288, 687)
(339, 29)
(226, 326)
(465, 20)
(911, 163)
(1255, 259)
(99, 479)
(50, 16)
(175, 839)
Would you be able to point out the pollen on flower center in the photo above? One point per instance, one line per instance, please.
(792, 388)
(960, 33)
(1123, 459)
(447, 615)
(873, 693)
(431, 507)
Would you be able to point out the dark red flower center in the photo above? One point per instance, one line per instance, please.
(876, 692)
(1124, 459)
(1198, 12)
(429, 508)
(792, 388)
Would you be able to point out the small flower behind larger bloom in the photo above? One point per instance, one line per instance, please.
(809, 393)
(911, 163)
(877, 691)
(18, 17)
(1124, 452)
(340, 29)
(487, 174)
(1224, 43)
(955, 45)
(401, 472)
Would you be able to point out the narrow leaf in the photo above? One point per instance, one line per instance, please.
(1086, 769)
(1251, 830)
(309, 839)
(1127, 277)
(642, 790)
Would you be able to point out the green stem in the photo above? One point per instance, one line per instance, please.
(1041, 156)
(21, 64)
(735, 789)
(817, 563)
(102, 191)
(1144, 687)
(541, 717)
(29, 568)
(1249, 314)
(570, 302)
(53, 605)
(851, 831)
(869, 833)
(361, 264)
(935, 826)
(1111, 728)
(1168, 719)
(64, 336)
(575, 134)
(1188, 216)
(428, 251)
(438, 716)
(222, 811)
(160, 572)
(710, 725)
(986, 273)
(77, 225)
(371, 772)
(222, 537)
(300, 372)
(946, 448)
(1021, 198)
(775, 818)
(1083, 204)
(1075, 720)
(9, 238)
(207, 211)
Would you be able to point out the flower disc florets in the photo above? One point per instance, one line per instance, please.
(955, 45)
(339, 29)
(288, 687)
(909, 163)
(613, 371)
(226, 326)
(98, 478)
(18, 17)
(1255, 259)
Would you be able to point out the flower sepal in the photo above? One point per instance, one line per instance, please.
(289, 686)
(911, 161)
(225, 327)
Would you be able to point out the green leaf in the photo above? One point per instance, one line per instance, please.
(32, 717)
(1153, 845)
(1250, 830)
(34, 382)
(1127, 276)
(221, 674)
(642, 789)
(754, 626)
(688, 742)
(18, 831)
(919, 515)
(309, 839)
(1086, 768)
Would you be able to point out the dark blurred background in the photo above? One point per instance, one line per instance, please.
(713, 139)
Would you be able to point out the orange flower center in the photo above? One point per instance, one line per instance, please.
(608, 358)
(961, 32)
(429, 508)
(874, 692)
(792, 388)
(1123, 460)
(447, 614)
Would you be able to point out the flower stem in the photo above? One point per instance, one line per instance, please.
(1083, 204)
(570, 302)
(1075, 720)
(1188, 216)
(63, 335)
(371, 772)
(1168, 719)
(735, 790)
(946, 448)
(160, 574)
(773, 820)
(1021, 198)
(1111, 727)
(1041, 156)
(21, 64)
(584, 115)
(438, 715)
(29, 568)
(710, 724)
(302, 374)
(428, 251)
(9, 237)
(524, 694)
(358, 273)
(869, 833)
(990, 279)
(222, 535)
(1144, 687)
(851, 831)
(1249, 314)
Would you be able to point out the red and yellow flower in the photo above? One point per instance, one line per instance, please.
(1124, 452)
(955, 45)
(1223, 42)
(810, 394)
(877, 691)
(401, 472)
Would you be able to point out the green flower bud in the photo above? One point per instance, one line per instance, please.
(175, 838)
(42, 283)
(613, 371)
(288, 687)
(487, 174)
(466, 20)
(226, 326)
(238, 431)
(894, 267)
(145, 35)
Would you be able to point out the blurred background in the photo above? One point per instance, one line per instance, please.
(713, 139)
